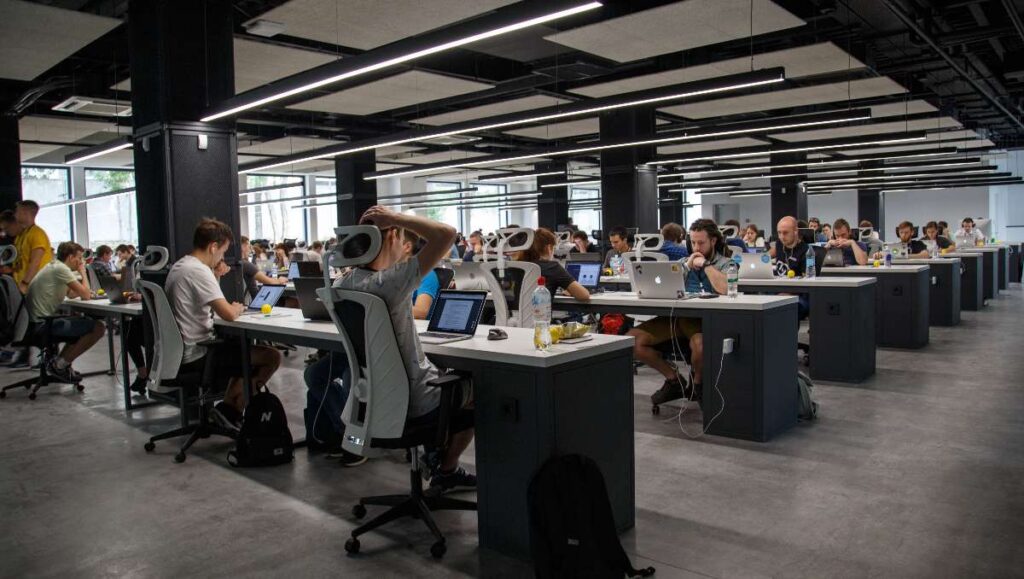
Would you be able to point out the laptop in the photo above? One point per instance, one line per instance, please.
(588, 274)
(454, 316)
(113, 288)
(293, 270)
(469, 276)
(756, 266)
(589, 256)
(311, 306)
(834, 258)
(663, 280)
(308, 268)
(268, 295)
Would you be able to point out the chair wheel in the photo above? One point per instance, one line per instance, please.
(438, 549)
(149, 446)
(32, 396)
(656, 410)
(179, 458)
(3, 395)
(352, 546)
(358, 511)
(80, 387)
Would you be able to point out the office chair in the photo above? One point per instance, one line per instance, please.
(632, 256)
(167, 383)
(444, 277)
(521, 274)
(94, 280)
(376, 412)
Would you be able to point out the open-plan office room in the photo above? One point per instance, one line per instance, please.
(499, 288)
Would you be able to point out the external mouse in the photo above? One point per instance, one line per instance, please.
(496, 334)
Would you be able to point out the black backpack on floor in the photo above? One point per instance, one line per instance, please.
(264, 439)
(572, 531)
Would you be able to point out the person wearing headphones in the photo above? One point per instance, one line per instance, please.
(969, 232)
(704, 271)
(908, 246)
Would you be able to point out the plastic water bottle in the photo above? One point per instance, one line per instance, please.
(732, 272)
(810, 269)
(541, 303)
(888, 258)
(616, 264)
(933, 249)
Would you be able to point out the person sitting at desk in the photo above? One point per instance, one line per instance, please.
(475, 245)
(46, 293)
(620, 241)
(673, 246)
(281, 260)
(751, 237)
(969, 232)
(826, 234)
(581, 243)
(854, 252)
(819, 234)
(393, 278)
(101, 263)
(252, 277)
(736, 241)
(124, 253)
(194, 295)
(792, 251)
(424, 295)
(932, 239)
(908, 246)
(315, 251)
(542, 252)
(704, 272)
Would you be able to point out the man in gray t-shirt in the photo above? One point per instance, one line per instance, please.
(393, 278)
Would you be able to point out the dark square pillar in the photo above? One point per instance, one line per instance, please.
(787, 197)
(870, 203)
(553, 203)
(182, 63)
(10, 162)
(355, 195)
(629, 189)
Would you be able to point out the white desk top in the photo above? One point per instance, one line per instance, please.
(104, 305)
(957, 254)
(615, 279)
(782, 282)
(870, 269)
(925, 260)
(630, 299)
(988, 248)
(517, 349)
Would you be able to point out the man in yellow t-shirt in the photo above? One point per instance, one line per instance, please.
(32, 243)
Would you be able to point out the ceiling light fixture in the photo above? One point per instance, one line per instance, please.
(844, 161)
(523, 16)
(920, 181)
(517, 176)
(571, 183)
(580, 108)
(824, 145)
(900, 176)
(98, 150)
(425, 193)
(434, 202)
(998, 182)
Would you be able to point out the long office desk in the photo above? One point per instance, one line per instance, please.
(842, 319)
(990, 268)
(757, 380)
(972, 283)
(944, 284)
(901, 302)
(105, 309)
(530, 406)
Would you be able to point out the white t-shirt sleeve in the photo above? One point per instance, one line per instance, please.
(205, 288)
(400, 280)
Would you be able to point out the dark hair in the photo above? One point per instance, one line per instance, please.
(814, 220)
(672, 232)
(243, 239)
(619, 231)
(211, 231)
(714, 233)
(801, 224)
(542, 238)
(930, 225)
(28, 204)
(751, 226)
(68, 248)
(316, 245)
(943, 224)
(580, 235)
(840, 224)
(512, 226)
(122, 247)
(967, 220)
(7, 216)
(733, 222)
(103, 250)
(865, 223)
(904, 224)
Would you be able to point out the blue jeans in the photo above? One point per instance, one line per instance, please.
(326, 399)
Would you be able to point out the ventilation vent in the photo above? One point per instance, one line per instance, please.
(95, 106)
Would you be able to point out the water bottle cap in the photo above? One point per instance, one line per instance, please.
(542, 281)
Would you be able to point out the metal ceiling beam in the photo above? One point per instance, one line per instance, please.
(1015, 19)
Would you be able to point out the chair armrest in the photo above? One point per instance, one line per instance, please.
(447, 381)
(211, 342)
(209, 366)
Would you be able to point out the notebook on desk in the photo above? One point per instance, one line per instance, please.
(454, 316)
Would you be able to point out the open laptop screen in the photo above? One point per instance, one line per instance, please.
(457, 312)
(293, 270)
(587, 274)
(268, 294)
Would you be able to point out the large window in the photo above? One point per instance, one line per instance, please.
(112, 219)
(486, 219)
(445, 209)
(326, 216)
(49, 186)
(691, 214)
(272, 211)
(586, 215)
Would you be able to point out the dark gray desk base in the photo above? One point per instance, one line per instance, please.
(901, 306)
(1014, 272)
(989, 274)
(526, 415)
(944, 301)
(1004, 268)
(842, 333)
(972, 284)
(759, 379)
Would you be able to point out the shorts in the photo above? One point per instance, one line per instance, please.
(227, 363)
(70, 328)
(661, 328)
(460, 415)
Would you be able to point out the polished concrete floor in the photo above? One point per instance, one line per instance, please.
(918, 472)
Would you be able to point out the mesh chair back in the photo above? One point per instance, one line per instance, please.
(523, 275)
(168, 346)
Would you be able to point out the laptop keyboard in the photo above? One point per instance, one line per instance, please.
(439, 335)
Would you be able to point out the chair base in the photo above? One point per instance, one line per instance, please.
(415, 504)
(35, 383)
(202, 428)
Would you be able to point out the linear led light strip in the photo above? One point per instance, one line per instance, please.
(570, 183)
(467, 199)
(591, 148)
(805, 164)
(815, 173)
(790, 150)
(932, 188)
(405, 58)
(723, 85)
(98, 151)
(896, 177)
(520, 176)
(859, 185)
(716, 192)
(427, 193)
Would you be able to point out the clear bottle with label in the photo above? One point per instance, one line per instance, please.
(888, 258)
(810, 267)
(732, 272)
(541, 304)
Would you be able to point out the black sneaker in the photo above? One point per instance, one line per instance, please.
(139, 386)
(669, 391)
(346, 458)
(65, 374)
(225, 416)
(442, 482)
(698, 392)
(430, 462)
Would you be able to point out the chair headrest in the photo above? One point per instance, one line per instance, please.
(155, 258)
(357, 245)
(88, 254)
(8, 254)
(648, 241)
(515, 238)
(729, 231)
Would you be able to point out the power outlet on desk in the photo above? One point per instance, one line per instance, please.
(833, 309)
(508, 410)
(897, 291)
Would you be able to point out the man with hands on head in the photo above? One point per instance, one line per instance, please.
(854, 252)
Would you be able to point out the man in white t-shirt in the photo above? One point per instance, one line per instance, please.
(393, 277)
(194, 294)
(968, 231)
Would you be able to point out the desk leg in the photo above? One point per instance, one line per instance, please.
(110, 347)
(246, 367)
